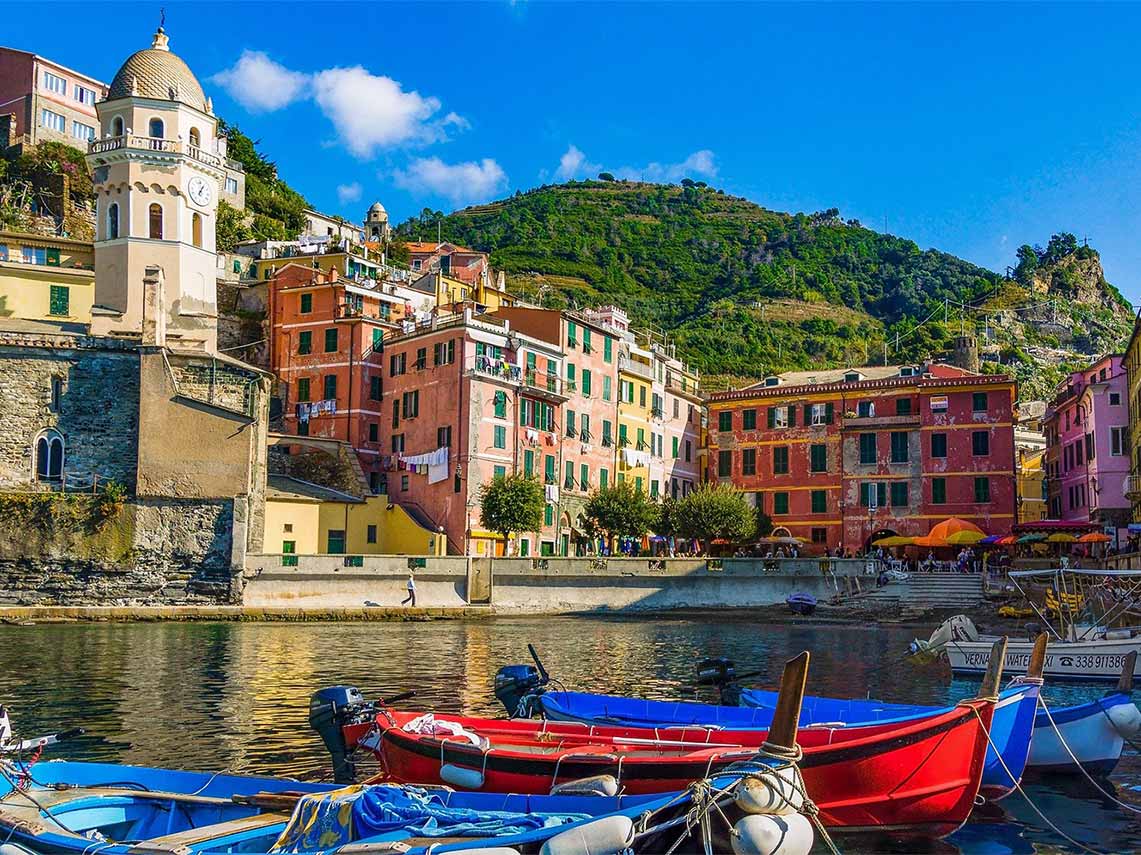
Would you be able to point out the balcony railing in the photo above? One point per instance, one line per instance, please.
(543, 382)
(632, 366)
(1133, 487)
(154, 144)
(500, 369)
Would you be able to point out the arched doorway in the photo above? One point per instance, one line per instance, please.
(878, 534)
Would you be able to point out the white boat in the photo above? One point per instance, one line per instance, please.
(1091, 734)
(1077, 607)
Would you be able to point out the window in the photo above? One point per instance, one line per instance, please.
(500, 440)
(336, 541)
(585, 340)
(1114, 399)
(749, 461)
(232, 186)
(938, 445)
(1118, 440)
(903, 406)
(980, 443)
(195, 138)
(865, 409)
(749, 420)
(410, 404)
(779, 417)
(305, 342)
(196, 229)
(528, 463)
(113, 221)
(59, 301)
(34, 255)
(586, 383)
(570, 423)
(444, 437)
(500, 405)
(938, 491)
(331, 340)
(819, 535)
(549, 515)
(725, 421)
(724, 463)
(607, 433)
(867, 448)
(982, 490)
(370, 534)
(978, 402)
(56, 394)
(603, 476)
(53, 121)
(55, 83)
(84, 95)
(606, 386)
(155, 129)
(873, 494)
(398, 443)
(81, 131)
(155, 220)
(818, 453)
(117, 126)
(374, 387)
(819, 501)
(570, 376)
(641, 396)
(899, 451)
(608, 349)
(818, 414)
(780, 503)
(444, 352)
(571, 330)
(403, 482)
(688, 451)
(780, 460)
(303, 389)
(373, 432)
(500, 472)
(584, 471)
(1089, 446)
(49, 456)
(898, 494)
(288, 548)
(674, 447)
(421, 359)
(330, 386)
(397, 364)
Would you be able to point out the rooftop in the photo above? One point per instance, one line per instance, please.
(157, 73)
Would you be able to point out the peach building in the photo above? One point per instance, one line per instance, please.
(47, 101)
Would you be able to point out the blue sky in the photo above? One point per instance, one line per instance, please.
(970, 128)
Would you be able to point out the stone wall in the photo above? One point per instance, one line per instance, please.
(98, 406)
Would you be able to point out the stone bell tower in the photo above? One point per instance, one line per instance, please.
(157, 167)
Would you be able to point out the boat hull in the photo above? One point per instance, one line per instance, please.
(917, 778)
(1088, 732)
(1099, 659)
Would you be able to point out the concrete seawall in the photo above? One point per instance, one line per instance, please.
(537, 585)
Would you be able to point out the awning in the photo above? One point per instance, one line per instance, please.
(1032, 538)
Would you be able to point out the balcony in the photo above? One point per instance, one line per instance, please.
(546, 386)
(163, 146)
(871, 422)
(1133, 488)
(496, 369)
(633, 366)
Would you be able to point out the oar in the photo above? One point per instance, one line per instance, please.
(1125, 681)
(1037, 657)
(993, 676)
(786, 716)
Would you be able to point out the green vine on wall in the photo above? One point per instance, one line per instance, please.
(64, 512)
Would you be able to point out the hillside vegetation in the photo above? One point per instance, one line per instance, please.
(746, 291)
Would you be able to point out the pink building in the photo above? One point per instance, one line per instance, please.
(46, 100)
(1087, 446)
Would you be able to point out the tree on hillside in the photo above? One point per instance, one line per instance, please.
(620, 511)
(511, 504)
(715, 511)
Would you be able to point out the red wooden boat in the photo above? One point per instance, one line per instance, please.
(919, 778)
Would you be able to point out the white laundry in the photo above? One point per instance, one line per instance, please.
(429, 725)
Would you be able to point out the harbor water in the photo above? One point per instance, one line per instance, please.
(235, 695)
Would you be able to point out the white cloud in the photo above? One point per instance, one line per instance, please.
(349, 192)
(371, 111)
(699, 163)
(259, 84)
(459, 182)
(573, 163)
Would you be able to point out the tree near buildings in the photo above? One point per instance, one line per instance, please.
(511, 504)
(620, 511)
(715, 512)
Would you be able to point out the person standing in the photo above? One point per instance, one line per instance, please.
(411, 598)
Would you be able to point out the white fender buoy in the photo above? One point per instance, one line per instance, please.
(597, 785)
(772, 835)
(1126, 719)
(462, 777)
(774, 792)
(606, 836)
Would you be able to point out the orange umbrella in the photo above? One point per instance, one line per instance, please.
(1095, 537)
(1006, 541)
(955, 531)
(929, 541)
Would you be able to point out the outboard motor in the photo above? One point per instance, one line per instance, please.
(330, 710)
(721, 673)
(514, 684)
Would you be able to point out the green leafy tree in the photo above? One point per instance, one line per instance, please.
(511, 504)
(230, 227)
(715, 511)
(620, 510)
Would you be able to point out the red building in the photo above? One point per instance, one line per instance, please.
(842, 457)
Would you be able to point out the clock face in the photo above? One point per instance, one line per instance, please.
(199, 191)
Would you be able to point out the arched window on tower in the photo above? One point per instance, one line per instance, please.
(113, 221)
(195, 139)
(155, 221)
(156, 129)
(196, 229)
(49, 456)
(117, 126)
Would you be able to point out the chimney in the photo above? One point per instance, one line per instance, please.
(154, 307)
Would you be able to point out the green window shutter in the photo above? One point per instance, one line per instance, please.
(938, 491)
(780, 503)
(330, 386)
(306, 303)
(331, 340)
(675, 445)
(53, 257)
(808, 414)
(603, 475)
(305, 342)
(725, 420)
(608, 349)
(528, 463)
(586, 382)
(881, 493)
(772, 416)
(828, 413)
(500, 472)
(791, 416)
(501, 405)
(303, 389)
(865, 494)
(549, 468)
(819, 501)
(59, 301)
(549, 515)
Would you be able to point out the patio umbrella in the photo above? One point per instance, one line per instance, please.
(1031, 538)
(1061, 537)
(955, 532)
(894, 540)
(1008, 540)
(1095, 537)
(928, 541)
(991, 539)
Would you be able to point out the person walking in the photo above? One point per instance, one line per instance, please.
(411, 598)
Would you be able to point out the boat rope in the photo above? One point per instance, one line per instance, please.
(1096, 785)
(1018, 786)
(45, 813)
(792, 757)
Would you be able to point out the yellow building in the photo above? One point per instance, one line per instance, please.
(635, 401)
(347, 264)
(307, 519)
(1031, 484)
(46, 278)
(450, 292)
(1132, 363)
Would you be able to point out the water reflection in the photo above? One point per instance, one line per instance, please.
(235, 696)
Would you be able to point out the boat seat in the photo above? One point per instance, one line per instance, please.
(182, 841)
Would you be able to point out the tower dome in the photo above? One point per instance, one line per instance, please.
(377, 212)
(158, 73)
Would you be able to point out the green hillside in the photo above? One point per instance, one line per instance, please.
(744, 291)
